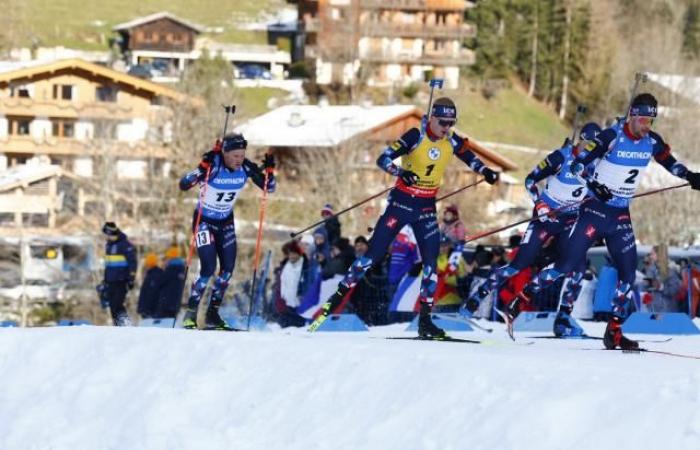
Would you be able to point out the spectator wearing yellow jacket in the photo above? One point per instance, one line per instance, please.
(447, 299)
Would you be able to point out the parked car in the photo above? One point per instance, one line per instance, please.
(252, 72)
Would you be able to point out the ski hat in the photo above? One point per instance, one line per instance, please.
(110, 229)
(234, 141)
(444, 108)
(292, 246)
(644, 105)
(307, 239)
(362, 239)
(453, 209)
(172, 253)
(327, 208)
(150, 260)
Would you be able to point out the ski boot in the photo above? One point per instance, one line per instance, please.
(189, 322)
(214, 320)
(332, 303)
(564, 326)
(614, 338)
(426, 328)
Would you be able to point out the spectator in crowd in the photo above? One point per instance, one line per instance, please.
(292, 279)
(332, 225)
(452, 226)
(671, 286)
(322, 248)
(447, 298)
(307, 245)
(361, 246)
(499, 256)
(150, 287)
(690, 286)
(173, 285)
(337, 263)
(120, 272)
(482, 259)
(370, 298)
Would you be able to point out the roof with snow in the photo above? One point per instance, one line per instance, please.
(24, 175)
(156, 16)
(319, 126)
(687, 87)
(11, 71)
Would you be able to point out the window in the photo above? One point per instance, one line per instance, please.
(19, 126)
(63, 92)
(62, 128)
(19, 92)
(106, 94)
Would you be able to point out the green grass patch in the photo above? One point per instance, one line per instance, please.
(510, 117)
(253, 101)
(87, 24)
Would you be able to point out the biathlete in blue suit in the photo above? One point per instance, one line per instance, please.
(552, 218)
(216, 235)
(624, 150)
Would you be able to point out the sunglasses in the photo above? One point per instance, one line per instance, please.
(446, 123)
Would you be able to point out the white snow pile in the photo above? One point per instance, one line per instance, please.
(137, 388)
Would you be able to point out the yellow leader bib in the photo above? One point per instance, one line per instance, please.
(428, 160)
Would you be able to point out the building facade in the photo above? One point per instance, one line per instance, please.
(75, 112)
(383, 42)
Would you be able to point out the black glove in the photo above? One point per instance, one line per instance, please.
(694, 180)
(129, 284)
(491, 176)
(268, 162)
(102, 294)
(409, 178)
(600, 190)
(208, 159)
(472, 305)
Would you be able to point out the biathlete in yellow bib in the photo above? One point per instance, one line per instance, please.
(424, 153)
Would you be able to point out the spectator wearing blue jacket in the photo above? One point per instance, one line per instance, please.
(173, 284)
(149, 295)
(120, 272)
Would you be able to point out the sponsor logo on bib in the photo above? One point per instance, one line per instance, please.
(434, 153)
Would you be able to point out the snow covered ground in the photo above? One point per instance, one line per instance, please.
(137, 388)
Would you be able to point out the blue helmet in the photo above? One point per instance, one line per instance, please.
(589, 131)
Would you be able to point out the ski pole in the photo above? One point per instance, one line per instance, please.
(293, 235)
(580, 111)
(560, 209)
(256, 260)
(639, 77)
(230, 109)
(459, 190)
(434, 82)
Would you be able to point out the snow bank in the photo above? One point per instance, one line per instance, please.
(109, 388)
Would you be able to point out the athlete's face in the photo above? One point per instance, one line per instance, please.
(640, 125)
(439, 126)
(234, 158)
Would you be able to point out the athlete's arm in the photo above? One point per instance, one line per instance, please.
(402, 146)
(461, 148)
(256, 174)
(551, 165)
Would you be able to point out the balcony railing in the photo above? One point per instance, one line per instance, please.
(415, 5)
(75, 147)
(377, 29)
(67, 109)
(464, 57)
